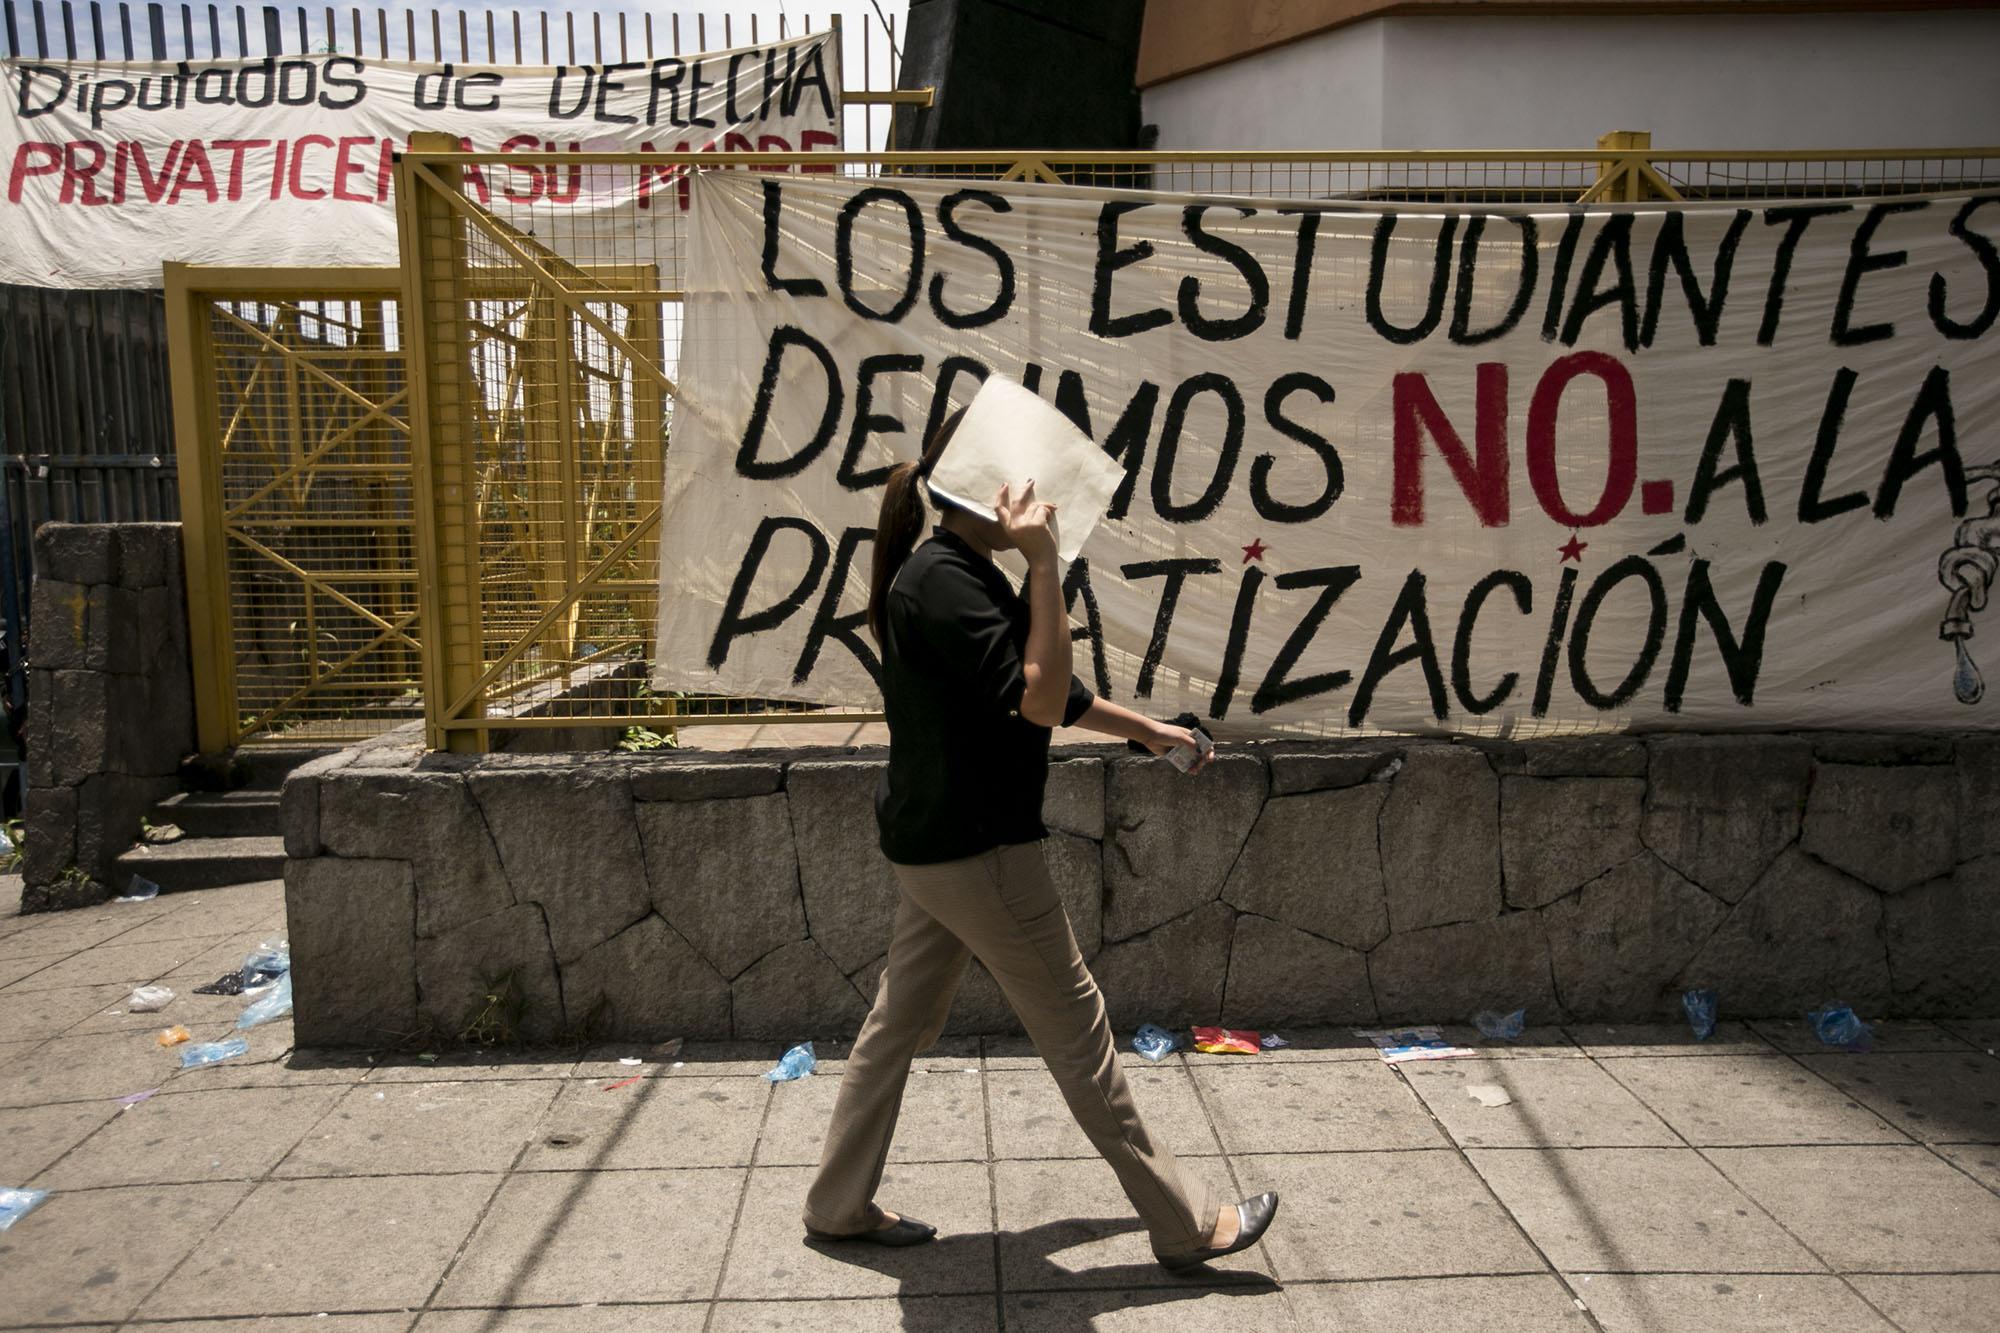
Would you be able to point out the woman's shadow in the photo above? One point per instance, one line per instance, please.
(1027, 1267)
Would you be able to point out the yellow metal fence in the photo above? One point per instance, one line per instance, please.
(542, 346)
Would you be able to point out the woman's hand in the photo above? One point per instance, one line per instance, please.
(1166, 736)
(1026, 521)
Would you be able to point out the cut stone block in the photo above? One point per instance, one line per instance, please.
(1278, 975)
(1441, 839)
(1720, 808)
(49, 826)
(705, 781)
(1073, 801)
(1076, 865)
(1172, 838)
(1944, 943)
(354, 967)
(793, 994)
(725, 874)
(1585, 757)
(1618, 946)
(1295, 773)
(572, 845)
(850, 892)
(1171, 975)
(644, 984)
(1803, 934)
(1558, 834)
(1313, 863)
(1889, 827)
(428, 819)
(61, 620)
(1452, 972)
(459, 970)
(1978, 759)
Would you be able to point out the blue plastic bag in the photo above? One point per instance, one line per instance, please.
(1700, 1006)
(266, 962)
(209, 1052)
(275, 1003)
(17, 1204)
(1838, 1025)
(1499, 1026)
(1155, 1042)
(795, 1063)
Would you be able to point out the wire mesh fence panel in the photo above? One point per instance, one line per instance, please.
(311, 449)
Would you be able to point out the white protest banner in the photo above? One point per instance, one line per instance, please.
(1498, 473)
(113, 169)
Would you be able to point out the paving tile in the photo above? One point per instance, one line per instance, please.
(308, 1323)
(1031, 1119)
(932, 1314)
(1302, 1045)
(523, 1062)
(26, 966)
(1746, 1099)
(770, 1258)
(94, 1254)
(683, 1317)
(1069, 1224)
(1979, 1160)
(950, 1053)
(116, 964)
(1534, 1043)
(1981, 1032)
(657, 1123)
(1019, 1053)
(1383, 1215)
(1941, 1097)
(68, 932)
(207, 960)
(1934, 1303)
(1888, 1036)
(273, 1062)
(239, 1134)
(186, 1008)
(1437, 1305)
(1324, 1107)
(32, 1015)
(238, 909)
(942, 1119)
(34, 1136)
(419, 1127)
(89, 1068)
(1610, 1041)
(1557, 1103)
(1873, 1209)
(563, 1238)
(1637, 1210)
(1189, 1306)
(702, 1059)
(302, 1246)
(1726, 1303)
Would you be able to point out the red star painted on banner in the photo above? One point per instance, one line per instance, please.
(1255, 550)
(1572, 549)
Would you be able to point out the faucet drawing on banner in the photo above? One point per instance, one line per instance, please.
(1967, 569)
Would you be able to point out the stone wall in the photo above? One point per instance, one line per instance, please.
(110, 701)
(693, 894)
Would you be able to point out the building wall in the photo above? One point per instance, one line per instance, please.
(1550, 81)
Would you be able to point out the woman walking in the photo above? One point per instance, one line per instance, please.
(974, 676)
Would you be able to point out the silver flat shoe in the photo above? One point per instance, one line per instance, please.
(1253, 1219)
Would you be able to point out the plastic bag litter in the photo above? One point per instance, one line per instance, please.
(1700, 1006)
(17, 1204)
(1497, 1026)
(149, 999)
(173, 1036)
(1272, 1041)
(229, 983)
(141, 889)
(209, 1052)
(267, 962)
(1227, 1041)
(1155, 1042)
(1838, 1025)
(795, 1063)
(274, 1004)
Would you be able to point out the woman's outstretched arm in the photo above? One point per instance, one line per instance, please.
(1109, 719)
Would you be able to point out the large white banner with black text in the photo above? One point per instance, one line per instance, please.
(1492, 472)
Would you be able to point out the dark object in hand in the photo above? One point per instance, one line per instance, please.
(1188, 720)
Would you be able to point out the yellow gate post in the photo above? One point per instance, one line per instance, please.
(205, 561)
(443, 452)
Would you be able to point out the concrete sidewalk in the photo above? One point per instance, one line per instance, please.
(1637, 1181)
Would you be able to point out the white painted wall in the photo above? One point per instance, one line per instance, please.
(1529, 81)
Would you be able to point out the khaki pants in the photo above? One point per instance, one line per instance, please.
(1002, 908)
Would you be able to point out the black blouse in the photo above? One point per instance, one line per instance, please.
(966, 770)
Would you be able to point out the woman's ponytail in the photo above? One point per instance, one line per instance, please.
(902, 521)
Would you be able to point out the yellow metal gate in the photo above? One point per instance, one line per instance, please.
(293, 438)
